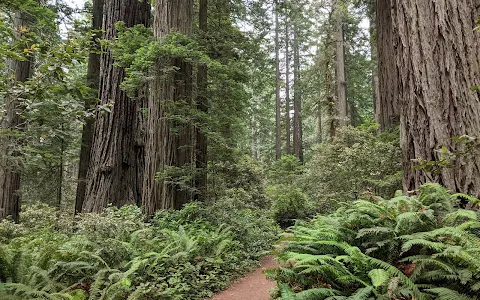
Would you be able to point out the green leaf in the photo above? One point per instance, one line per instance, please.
(127, 283)
(378, 276)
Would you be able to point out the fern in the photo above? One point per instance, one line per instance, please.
(362, 294)
(403, 248)
(317, 294)
(448, 294)
(379, 277)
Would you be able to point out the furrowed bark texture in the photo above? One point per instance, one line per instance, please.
(93, 81)
(437, 61)
(387, 111)
(115, 173)
(11, 121)
(169, 142)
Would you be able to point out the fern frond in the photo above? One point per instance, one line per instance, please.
(448, 294)
(317, 294)
(362, 294)
(378, 276)
(471, 199)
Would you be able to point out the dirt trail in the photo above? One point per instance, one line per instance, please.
(254, 286)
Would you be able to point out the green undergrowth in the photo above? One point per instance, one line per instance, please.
(419, 247)
(187, 254)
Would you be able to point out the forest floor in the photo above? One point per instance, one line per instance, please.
(254, 286)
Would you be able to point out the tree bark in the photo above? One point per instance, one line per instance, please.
(436, 59)
(374, 58)
(11, 122)
(287, 89)
(93, 81)
(342, 106)
(387, 102)
(202, 106)
(115, 170)
(169, 142)
(278, 103)
(319, 129)
(297, 99)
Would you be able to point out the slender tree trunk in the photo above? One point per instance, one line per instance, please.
(297, 99)
(93, 81)
(342, 105)
(287, 89)
(278, 103)
(11, 122)
(374, 59)
(387, 102)
(61, 172)
(202, 106)
(436, 58)
(169, 143)
(319, 123)
(329, 88)
(114, 171)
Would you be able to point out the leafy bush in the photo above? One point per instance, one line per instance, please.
(188, 254)
(240, 182)
(355, 162)
(422, 247)
(289, 202)
(285, 170)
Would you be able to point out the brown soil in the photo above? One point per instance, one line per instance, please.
(254, 286)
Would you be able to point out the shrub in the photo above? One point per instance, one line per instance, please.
(289, 204)
(422, 247)
(240, 181)
(285, 170)
(187, 254)
(355, 162)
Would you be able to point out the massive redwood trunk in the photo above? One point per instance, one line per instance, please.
(11, 122)
(169, 148)
(437, 61)
(116, 166)
(93, 81)
(387, 101)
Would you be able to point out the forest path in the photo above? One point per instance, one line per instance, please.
(254, 286)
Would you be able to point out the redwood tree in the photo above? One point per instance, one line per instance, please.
(297, 98)
(287, 87)
(435, 54)
(11, 122)
(115, 173)
(201, 146)
(93, 81)
(386, 102)
(278, 100)
(170, 139)
(342, 106)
